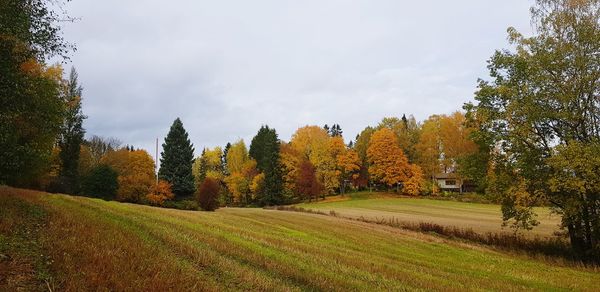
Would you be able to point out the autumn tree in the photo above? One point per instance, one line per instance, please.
(208, 164)
(135, 171)
(290, 161)
(360, 146)
(176, 161)
(539, 113)
(415, 183)
(265, 150)
(159, 193)
(307, 184)
(429, 147)
(313, 143)
(71, 135)
(237, 156)
(387, 163)
(407, 132)
(208, 194)
(32, 109)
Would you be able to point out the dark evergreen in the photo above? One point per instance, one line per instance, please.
(71, 136)
(224, 159)
(265, 150)
(101, 182)
(176, 161)
(335, 130)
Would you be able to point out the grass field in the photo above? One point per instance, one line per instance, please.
(77, 244)
(479, 217)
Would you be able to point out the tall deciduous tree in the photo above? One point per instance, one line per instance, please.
(387, 163)
(541, 113)
(32, 110)
(71, 135)
(265, 150)
(176, 161)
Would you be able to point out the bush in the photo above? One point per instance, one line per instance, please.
(101, 182)
(159, 193)
(208, 194)
(182, 205)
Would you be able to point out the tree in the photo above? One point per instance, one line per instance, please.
(32, 109)
(414, 185)
(387, 163)
(360, 146)
(307, 184)
(407, 130)
(540, 116)
(100, 182)
(136, 173)
(335, 131)
(176, 161)
(208, 194)
(209, 165)
(237, 156)
(100, 146)
(429, 147)
(159, 193)
(265, 150)
(71, 135)
(314, 144)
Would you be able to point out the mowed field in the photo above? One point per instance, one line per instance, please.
(66, 243)
(479, 217)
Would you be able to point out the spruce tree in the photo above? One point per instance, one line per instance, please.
(265, 150)
(176, 161)
(71, 136)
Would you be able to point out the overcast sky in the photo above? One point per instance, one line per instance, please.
(227, 67)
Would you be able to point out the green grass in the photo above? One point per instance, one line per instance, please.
(479, 217)
(99, 245)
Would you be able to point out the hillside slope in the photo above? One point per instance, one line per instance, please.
(86, 244)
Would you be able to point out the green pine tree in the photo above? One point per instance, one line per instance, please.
(265, 150)
(176, 161)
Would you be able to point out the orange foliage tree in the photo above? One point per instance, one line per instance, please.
(159, 193)
(387, 163)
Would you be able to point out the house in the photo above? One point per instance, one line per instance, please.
(452, 182)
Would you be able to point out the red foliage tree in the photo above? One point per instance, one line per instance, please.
(307, 184)
(208, 194)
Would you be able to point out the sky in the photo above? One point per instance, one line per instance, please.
(227, 67)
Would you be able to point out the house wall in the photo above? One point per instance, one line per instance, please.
(442, 184)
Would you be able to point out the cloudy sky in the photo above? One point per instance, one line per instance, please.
(227, 67)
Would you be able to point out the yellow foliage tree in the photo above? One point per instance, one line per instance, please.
(237, 156)
(136, 173)
(313, 143)
(387, 163)
(414, 185)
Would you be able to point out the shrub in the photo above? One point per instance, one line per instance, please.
(182, 205)
(101, 182)
(159, 193)
(208, 194)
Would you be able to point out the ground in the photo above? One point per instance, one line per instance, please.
(91, 244)
(479, 217)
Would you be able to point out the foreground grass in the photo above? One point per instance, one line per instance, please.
(481, 218)
(98, 245)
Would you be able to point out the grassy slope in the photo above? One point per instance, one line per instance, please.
(479, 217)
(98, 244)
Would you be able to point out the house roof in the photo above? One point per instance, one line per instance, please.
(446, 175)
